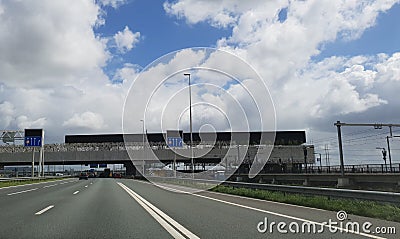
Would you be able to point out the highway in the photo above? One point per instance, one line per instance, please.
(126, 208)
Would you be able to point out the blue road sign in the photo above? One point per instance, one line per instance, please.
(94, 165)
(33, 141)
(175, 142)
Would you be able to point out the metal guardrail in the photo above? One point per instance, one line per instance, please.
(379, 196)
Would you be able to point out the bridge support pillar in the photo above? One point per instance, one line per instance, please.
(306, 182)
(343, 182)
(130, 169)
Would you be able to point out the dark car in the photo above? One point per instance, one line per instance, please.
(84, 176)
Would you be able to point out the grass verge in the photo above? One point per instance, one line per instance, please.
(16, 183)
(357, 207)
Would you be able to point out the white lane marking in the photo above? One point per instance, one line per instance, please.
(16, 186)
(163, 219)
(33, 189)
(237, 196)
(276, 214)
(50, 185)
(76, 192)
(91, 183)
(86, 186)
(44, 210)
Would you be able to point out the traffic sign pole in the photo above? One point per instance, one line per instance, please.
(33, 162)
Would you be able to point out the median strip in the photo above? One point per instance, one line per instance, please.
(33, 189)
(44, 210)
(175, 229)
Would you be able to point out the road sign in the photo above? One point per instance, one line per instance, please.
(33, 138)
(175, 142)
(33, 141)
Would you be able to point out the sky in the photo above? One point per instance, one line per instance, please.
(69, 67)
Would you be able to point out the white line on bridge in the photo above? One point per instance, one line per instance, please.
(76, 192)
(163, 219)
(33, 189)
(44, 210)
(50, 185)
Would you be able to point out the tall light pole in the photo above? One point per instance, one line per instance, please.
(191, 124)
(143, 147)
(384, 156)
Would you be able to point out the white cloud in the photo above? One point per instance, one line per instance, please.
(126, 40)
(281, 52)
(86, 120)
(53, 43)
(51, 69)
(51, 63)
(24, 122)
(7, 112)
(113, 3)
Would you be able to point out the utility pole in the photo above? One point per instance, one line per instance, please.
(191, 124)
(390, 156)
(376, 126)
(339, 132)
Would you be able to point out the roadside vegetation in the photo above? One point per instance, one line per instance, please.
(357, 207)
(29, 181)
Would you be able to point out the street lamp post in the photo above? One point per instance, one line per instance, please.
(143, 147)
(319, 159)
(384, 152)
(305, 158)
(191, 124)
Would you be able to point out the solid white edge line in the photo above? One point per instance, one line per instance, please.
(16, 186)
(248, 198)
(163, 219)
(33, 189)
(48, 186)
(237, 196)
(274, 213)
(76, 192)
(44, 210)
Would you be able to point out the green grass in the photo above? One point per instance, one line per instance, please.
(357, 207)
(16, 183)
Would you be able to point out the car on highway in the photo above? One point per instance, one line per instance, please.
(83, 176)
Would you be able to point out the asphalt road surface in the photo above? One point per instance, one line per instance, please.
(125, 208)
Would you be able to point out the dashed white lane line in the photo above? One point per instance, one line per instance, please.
(76, 192)
(86, 186)
(44, 210)
(175, 229)
(33, 189)
(48, 186)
